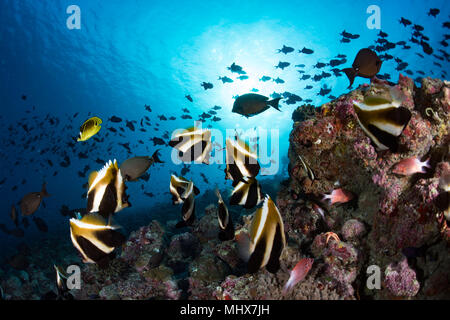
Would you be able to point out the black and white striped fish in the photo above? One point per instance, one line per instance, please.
(266, 240)
(106, 191)
(225, 223)
(382, 120)
(95, 238)
(193, 144)
(241, 161)
(247, 193)
(184, 191)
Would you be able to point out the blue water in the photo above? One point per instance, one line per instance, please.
(154, 53)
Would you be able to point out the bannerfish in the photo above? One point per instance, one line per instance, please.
(247, 193)
(193, 144)
(299, 273)
(40, 224)
(61, 284)
(410, 166)
(89, 128)
(178, 186)
(31, 201)
(266, 240)
(241, 161)
(366, 64)
(251, 104)
(95, 238)
(135, 167)
(184, 191)
(382, 120)
(225, 223)
(14, 217)
(106, 190)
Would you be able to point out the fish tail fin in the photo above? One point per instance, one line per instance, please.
(44, 192)
(327, 198)
(219, 196)
(274, 103)
(424, 166)
(351, 74)
(287, 287)
(155, 157)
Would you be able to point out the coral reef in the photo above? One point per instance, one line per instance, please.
(390, 213)
(390, 221)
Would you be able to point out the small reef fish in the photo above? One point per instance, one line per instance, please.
(285, 49)
(225, 223)
(308, 170)
(115, 119)
(251, 104)
(31, 201)
(236, 69)
(266, 239)
(299, 273)
(193, 144)
(95, 238)
(61, 284)
(366, 64)
(338, 196)
(410, 166)
(133, 168)
(383, 119)
(89, 128)
(241, 161)
(207, 85)
(247, 193)
(184, 191)
(106, 190)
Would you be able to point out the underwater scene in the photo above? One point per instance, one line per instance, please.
(225, 150)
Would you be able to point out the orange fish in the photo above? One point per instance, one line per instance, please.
(31, 201)
(338, 196)
(410, 166)
(299, 273)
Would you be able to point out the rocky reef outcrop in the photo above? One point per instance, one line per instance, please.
(393, 222)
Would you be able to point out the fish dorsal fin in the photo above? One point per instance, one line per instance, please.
(105, 173)
(94, 219)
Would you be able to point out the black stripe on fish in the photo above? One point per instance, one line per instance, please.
(383, 123)
(267, 239)
(241, 162)
(273, 265)
(90, 250)
(247, 194)
(256, 259)
(193, 145)
(225, 222)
